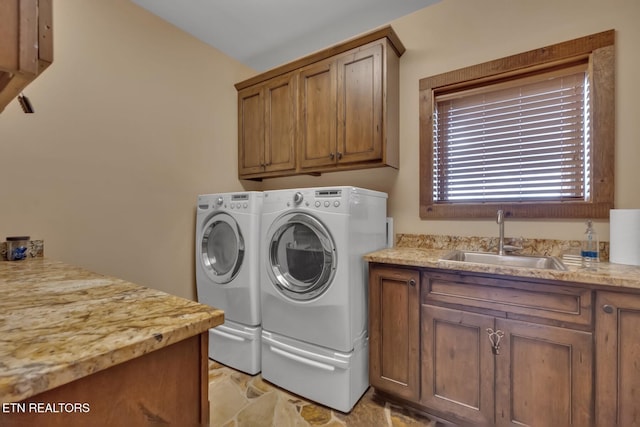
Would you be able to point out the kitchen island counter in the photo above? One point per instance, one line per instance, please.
(60, 324)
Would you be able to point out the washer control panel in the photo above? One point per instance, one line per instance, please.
(239, 201)
(236, 202)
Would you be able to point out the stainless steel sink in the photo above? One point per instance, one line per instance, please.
(526, 261)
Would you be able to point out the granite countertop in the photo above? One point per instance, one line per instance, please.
(59, 323)
(607, 274)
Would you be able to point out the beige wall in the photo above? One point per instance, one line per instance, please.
(135, 118)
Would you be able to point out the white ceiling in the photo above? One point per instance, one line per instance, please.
(263, 34)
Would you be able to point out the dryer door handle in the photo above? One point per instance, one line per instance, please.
(302, 360)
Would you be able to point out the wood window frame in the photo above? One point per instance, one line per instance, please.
(599, 50)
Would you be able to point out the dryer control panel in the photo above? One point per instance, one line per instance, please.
(328, 198)
(323, 199)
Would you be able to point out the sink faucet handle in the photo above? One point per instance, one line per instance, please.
(500, 218)
(512, 248)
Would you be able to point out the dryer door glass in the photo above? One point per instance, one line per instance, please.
(222, 248)
(302, 256)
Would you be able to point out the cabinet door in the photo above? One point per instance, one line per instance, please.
(394, 331)
(280, 124)
(251, 131)
(617, 359)
(360, 101)
(543, 376)
(457, 365)
(317, 106)
(26, 44)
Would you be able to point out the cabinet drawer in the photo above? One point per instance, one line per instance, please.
(511, 298)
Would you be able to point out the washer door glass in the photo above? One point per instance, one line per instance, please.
(302, 256)
(222, 248)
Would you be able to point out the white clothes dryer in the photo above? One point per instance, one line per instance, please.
(314, 280)
(314, 290)
(227, 267)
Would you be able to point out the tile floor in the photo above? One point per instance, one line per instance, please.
(240, 400)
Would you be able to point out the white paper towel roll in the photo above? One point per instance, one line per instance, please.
(624, 235)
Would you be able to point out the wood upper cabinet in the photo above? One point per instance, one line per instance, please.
(617, 359)
(342, 105)
(394, 331)
(266, 127)
(346, 113)
(26, 44)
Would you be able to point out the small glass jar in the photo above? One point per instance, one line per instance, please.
(17, 247)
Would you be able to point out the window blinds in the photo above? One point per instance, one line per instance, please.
(526, 139)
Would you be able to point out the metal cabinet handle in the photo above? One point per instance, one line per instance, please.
(412, 282)
(494, 338)
(331, 155)
(607, 308)
(339, 155)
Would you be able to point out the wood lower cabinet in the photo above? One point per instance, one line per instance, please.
(544, 376)
(165, 387)
(487, 371)
(457, 365)
(494, 350)
(617, 359)
(394, 331)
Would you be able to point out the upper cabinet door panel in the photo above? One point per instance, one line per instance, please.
(250, 131)
(317, 124)
(360, 100)
(280, 129)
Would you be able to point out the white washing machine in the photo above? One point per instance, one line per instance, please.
(227, 267)
(314, 288)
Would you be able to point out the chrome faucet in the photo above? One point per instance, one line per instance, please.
(500, 222)
(502, 248)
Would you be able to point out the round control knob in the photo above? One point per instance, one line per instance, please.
(297, 198)
(219, 201)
